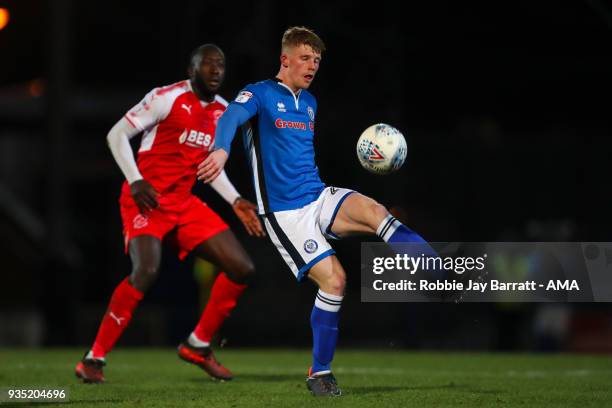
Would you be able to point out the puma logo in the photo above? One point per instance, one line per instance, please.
(187, 108)
(117, 319)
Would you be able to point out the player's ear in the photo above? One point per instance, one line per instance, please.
(190, 72)
(284, 60)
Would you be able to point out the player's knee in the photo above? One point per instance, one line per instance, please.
(336, 283)
(242, 272)
(376, 214)
(143, 276)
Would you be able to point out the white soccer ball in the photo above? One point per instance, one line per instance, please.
(381, 149)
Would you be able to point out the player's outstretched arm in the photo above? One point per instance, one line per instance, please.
(224, 187)
(229, 122)
(245, 210)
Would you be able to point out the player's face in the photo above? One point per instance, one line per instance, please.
(212, 70)
(302, 63)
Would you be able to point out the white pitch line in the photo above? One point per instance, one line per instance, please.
(338, 370)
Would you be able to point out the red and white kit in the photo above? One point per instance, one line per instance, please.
(178, 133)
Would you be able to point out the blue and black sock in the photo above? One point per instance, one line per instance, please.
(324, 322)
(391, 230)
(394, 233)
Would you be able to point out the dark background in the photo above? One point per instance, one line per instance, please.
(504, 105)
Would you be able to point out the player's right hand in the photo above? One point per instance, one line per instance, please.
(212, 166)
(246, 212)
(144, 195)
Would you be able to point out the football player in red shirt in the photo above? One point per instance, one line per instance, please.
(178, 125)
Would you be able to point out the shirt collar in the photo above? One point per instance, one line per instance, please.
(202, 103)
(280, 82)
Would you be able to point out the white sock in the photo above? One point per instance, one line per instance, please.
(195, 342)
(90, 356)
(387, 227)
(328, 302)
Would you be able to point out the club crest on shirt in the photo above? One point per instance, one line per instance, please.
(310, 113)
(244, 96)
(311, 246)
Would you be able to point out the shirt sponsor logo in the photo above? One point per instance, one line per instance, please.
(287, 124)
(196, 139)
(244, 96)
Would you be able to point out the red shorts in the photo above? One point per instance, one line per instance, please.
(185, 224)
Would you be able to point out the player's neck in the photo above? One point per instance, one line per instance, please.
(285, 80)
(203, 95)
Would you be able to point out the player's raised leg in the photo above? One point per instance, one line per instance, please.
(145, 252)
(360, 214)
(225, 251)
(330, 277)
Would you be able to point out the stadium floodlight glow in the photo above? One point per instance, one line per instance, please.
(4, 17)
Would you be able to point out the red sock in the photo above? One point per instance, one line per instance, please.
(117, 317)
(223, 298)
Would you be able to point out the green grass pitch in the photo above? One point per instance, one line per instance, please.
(271, 378)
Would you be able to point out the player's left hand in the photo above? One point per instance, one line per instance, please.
(212, 166)
(246, 211)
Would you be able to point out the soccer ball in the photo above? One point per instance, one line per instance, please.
(381, 149)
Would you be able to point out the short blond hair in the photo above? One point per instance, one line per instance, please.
(296, 36)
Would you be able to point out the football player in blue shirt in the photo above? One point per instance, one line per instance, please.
(299, 211)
